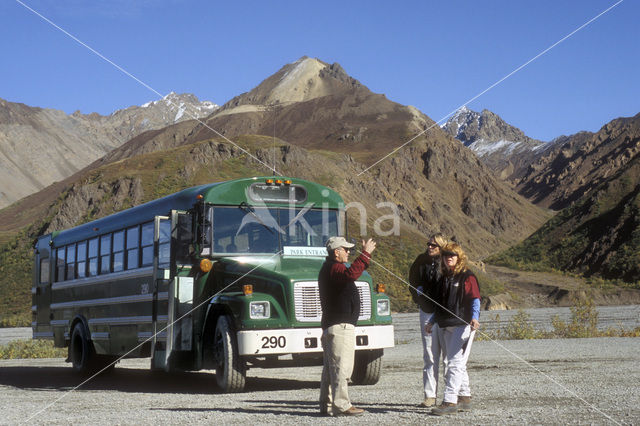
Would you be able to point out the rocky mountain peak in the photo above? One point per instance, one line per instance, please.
(300, 81)
(186, 106)
(470, 126)
(502, 147)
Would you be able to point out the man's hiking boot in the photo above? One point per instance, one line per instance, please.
(464, 403)
(428, 402)
(352, 411)
(445, 408)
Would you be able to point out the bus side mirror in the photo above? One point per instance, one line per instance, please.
(184, 238)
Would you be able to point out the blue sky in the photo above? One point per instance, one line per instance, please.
(433, 55)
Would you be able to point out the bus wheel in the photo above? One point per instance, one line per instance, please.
(366, 367)
(230, 369)
(80, 352)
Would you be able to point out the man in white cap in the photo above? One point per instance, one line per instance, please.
(340, 302)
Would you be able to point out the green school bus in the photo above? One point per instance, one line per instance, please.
(220, 276)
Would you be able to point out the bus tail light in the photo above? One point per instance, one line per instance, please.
(205, 265)
(247, 289)
(381, 288)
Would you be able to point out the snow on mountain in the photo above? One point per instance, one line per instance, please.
(502, 147)
(482, 147)
(185, 106)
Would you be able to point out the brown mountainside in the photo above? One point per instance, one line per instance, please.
(436, 183)
(595, 179)
(574, 166)
(40, 146)
(316, 105)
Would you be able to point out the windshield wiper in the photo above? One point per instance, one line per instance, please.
(250, 210)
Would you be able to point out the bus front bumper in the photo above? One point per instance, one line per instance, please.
(307, 340)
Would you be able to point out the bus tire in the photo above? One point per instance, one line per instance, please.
(230, 368)
(80, 349)
(367, 367)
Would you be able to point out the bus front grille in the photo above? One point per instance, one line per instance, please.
(307, 301)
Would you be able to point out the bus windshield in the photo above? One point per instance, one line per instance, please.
(252, 229)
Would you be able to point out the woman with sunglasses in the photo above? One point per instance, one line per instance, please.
(424, 274)
(456, 313)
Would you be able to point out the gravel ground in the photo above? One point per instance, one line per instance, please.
(563, 381)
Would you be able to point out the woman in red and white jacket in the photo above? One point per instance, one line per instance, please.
(457, 313)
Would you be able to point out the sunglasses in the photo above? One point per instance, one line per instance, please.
(449, 254)
(431, 245)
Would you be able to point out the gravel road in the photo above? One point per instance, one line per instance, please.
(561, 381)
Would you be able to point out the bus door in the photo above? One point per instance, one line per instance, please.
(161, 294)
(42, 288)
(171, 265)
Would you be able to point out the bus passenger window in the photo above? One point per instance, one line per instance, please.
(93, 257)
(133, 239)
(81, 255)
(146, 243)
(71, 261)
(105, 254)
(60, 264)
(118, 251)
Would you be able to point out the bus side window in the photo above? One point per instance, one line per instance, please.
(146, 244)
(118, 251)
(93, 257)
(60, 267)
(71, 261)
(105, 254)
(133, 239)
(81, 256)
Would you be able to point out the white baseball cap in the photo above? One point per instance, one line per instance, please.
(337, 242)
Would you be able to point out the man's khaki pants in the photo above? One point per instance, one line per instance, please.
(338, 343)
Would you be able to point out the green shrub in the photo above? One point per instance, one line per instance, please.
(519, 328)
(583, 323)
(584, 318)
(19, 349)
(20, 320)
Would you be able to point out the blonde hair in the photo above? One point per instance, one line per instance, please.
(440, 240)
(461, 265)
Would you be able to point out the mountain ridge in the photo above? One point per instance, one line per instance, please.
(29, 161)
(502, 147)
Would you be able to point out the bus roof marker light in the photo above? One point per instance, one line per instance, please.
(381, 288)
(205, 265)
(269, 181)
(199, 197)
(278, 182)
(287, 182)
(247, 289)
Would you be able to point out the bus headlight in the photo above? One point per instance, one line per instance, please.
(259, 310)
(383, 307)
